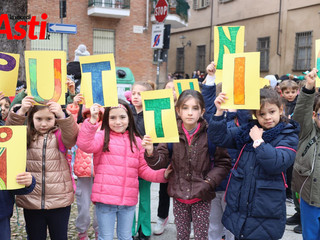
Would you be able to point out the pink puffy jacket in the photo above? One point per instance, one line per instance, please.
(83, 166)
(116, 172)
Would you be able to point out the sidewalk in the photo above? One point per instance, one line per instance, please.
(170, 232)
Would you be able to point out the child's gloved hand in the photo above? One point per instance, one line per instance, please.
(147, 144)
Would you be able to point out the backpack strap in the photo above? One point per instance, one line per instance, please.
(170, 148)
(62, 148)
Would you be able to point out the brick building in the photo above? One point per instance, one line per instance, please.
(122, 27)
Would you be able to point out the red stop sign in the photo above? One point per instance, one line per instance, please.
(161, 10)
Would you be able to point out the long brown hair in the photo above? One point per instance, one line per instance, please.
(131, 127)
(31, 131)
(186, 95)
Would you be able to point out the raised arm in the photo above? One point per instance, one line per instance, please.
(303, 111)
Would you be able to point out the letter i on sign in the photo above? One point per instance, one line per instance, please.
(239, 75)
(241, 80)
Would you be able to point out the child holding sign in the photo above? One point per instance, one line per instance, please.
(256, 194)
(306, 169)
(118, 162)
(144, 216)
(193, 181)
(7, 201)
(49, 133)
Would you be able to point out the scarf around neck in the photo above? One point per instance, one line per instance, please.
(268, 136)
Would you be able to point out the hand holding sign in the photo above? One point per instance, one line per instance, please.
(56, 109)
(147, 144)
(24, 178)
(94, 111)
(26, 104)
(222, 97)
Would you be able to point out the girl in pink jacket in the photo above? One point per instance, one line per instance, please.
(118, 159)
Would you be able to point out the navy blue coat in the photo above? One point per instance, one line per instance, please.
(256, 193)
(209, 95)
(7, 199)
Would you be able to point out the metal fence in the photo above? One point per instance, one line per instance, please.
(122, 4)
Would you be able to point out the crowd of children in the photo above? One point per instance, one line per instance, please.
(229, 175)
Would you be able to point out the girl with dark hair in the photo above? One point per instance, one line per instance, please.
(49, 133)
(193, 180)
(256, 195)
(118, 159)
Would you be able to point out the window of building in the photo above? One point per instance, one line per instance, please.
(302, 57)
(264, 48)
(53, 43)
(103, 41)
(198, 4)
(201, 58)
(180, 60)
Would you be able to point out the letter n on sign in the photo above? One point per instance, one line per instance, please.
(159, 116)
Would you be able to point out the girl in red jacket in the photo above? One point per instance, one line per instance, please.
(118, 159)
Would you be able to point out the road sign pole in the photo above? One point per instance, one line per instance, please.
(158, 67)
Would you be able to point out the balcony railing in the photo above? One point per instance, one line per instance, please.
(122, 4)
(109, 8)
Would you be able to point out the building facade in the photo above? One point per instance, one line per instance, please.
(122, 27)
(284, 31)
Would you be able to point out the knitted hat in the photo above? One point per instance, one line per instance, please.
(20, 85)
(80, 51)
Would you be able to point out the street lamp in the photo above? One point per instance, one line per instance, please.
(182, 38)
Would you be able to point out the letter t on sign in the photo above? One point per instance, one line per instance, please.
(157, 105)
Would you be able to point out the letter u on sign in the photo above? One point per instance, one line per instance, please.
(46, 75)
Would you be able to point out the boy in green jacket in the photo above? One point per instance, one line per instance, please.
(306, 169)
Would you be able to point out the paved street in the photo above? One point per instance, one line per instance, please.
(18, 232)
